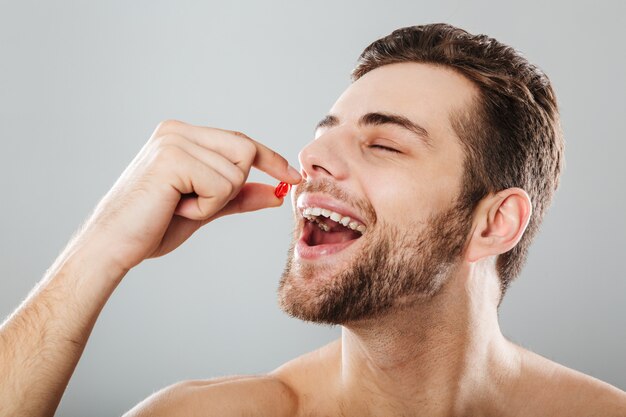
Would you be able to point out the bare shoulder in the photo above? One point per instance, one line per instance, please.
(277, 394)
(312, 377)
(258, 395)
(588, 396)
(310, 368)
(571, 391)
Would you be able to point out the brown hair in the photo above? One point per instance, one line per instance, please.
(511, 135)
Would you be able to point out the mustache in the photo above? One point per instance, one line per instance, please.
(332, 189)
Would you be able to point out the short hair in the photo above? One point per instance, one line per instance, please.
(511, 134)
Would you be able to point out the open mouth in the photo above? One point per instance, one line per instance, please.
(326, 232)
(326, 227)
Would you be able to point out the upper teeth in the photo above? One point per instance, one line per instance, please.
(312, 212)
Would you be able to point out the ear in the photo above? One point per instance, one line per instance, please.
(499, 223)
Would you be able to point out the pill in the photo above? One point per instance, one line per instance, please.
(282, 189)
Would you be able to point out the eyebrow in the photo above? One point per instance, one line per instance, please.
(380, 118)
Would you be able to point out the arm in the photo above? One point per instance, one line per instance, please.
(183, 178)
(41, 342)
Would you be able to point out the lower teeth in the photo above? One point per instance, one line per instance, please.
(322, 226)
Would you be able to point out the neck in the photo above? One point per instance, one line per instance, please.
(433, 357)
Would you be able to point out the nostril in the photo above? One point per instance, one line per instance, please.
(319, 167)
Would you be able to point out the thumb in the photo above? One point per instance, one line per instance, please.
(252, 196)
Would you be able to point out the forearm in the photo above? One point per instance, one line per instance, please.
(42, 341)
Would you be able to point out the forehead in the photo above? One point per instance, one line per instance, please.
(425, 93)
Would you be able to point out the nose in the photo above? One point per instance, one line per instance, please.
(326, 156)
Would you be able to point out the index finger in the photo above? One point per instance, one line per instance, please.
(272, 163)
(225, 142)
(269, 161)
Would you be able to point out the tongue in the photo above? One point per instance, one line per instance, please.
(337, 233)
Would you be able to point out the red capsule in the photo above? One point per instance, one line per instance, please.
(282, 189)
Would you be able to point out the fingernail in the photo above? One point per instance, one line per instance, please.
(294, 173)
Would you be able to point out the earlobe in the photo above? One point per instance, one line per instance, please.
(500, 222)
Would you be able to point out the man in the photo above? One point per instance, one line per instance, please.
(414, 209)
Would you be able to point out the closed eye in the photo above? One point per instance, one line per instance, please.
(385, 148)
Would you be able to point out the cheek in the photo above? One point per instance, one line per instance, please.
(402, 200)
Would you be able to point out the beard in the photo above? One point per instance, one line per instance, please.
(395, 267)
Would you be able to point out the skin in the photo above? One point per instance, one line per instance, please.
(442, 355)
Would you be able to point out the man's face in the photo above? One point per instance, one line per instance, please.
(387, 158)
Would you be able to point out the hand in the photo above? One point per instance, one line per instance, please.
(184, 177)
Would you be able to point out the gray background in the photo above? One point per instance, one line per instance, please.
(83, 84)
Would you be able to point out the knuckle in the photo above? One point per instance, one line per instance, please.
(168, 125)
(240, 134)
(248, 149)
(226, 188)
(169, 139)
(165, 127)
(236, 177)
(241, 176)
(168, 154)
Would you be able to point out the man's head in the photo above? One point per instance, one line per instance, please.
(437, 149)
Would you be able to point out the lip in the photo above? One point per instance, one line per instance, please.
(322, 201)
(307, 252)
